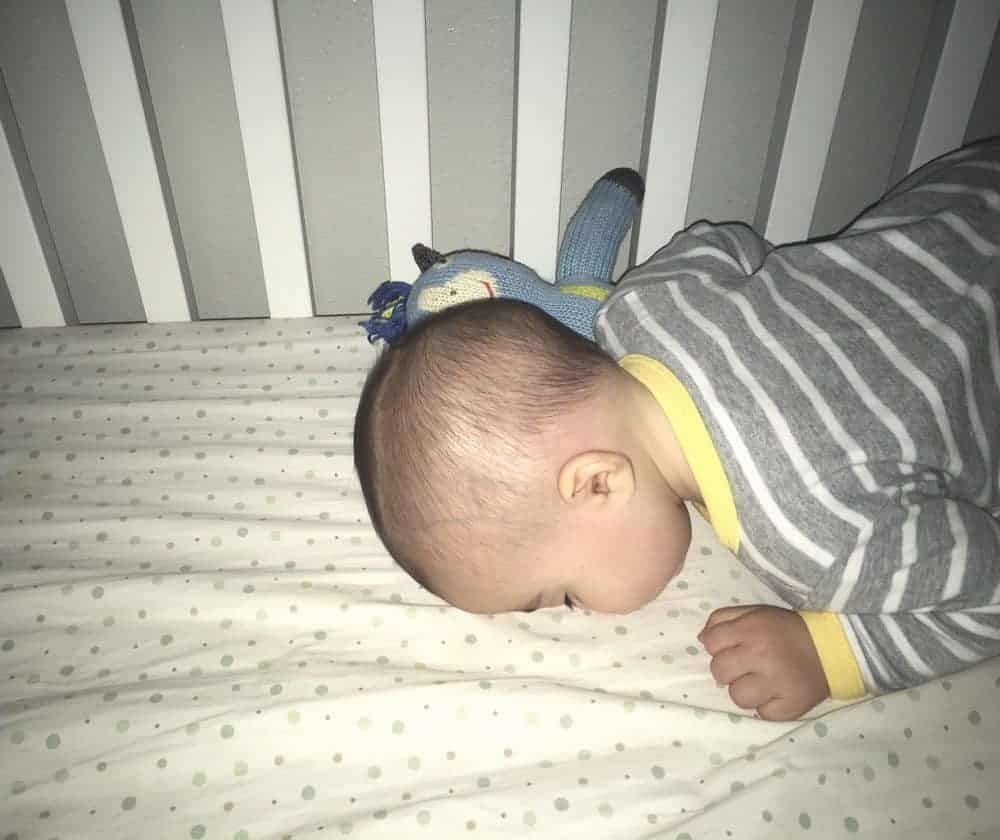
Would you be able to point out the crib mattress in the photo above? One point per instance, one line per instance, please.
(201, 637)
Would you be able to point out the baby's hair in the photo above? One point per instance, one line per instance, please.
(452, 426)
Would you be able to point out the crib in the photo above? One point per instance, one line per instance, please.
(200, 633)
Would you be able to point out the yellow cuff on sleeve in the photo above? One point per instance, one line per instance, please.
(839, 665)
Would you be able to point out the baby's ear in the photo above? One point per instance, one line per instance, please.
(596, 480)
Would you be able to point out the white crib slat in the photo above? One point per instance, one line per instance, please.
(24, 266)
(400, 56)
(108, 72)
(827, 52)
(688, 28)
(252, 41)
(956, 82)
(543, 44)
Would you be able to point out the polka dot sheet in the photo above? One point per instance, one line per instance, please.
(201, 637)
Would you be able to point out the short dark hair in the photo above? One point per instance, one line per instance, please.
(469, 388)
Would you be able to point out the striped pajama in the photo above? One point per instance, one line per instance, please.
(851, 388)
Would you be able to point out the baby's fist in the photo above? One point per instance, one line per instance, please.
(766, 657)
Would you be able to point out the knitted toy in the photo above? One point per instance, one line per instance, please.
(583, 273)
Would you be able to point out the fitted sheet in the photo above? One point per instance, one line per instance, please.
(201, 637)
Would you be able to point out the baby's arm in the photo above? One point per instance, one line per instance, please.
(934, 606)
(727, 251)
(933, 609)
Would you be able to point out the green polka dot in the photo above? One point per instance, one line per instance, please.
(128, 803)
(971, 801)
(561, 804)
(227, 731)
(199, 779)
(805, 820)
(53, 741)
(197, 832)
(308, 792)
(820, 729)
(851, 824)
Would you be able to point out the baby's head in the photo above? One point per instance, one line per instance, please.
(501, 471)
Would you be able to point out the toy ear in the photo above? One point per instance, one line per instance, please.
(426, 257)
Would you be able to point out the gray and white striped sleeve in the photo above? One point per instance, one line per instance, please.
(926, 602)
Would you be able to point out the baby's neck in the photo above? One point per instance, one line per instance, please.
(636, 407)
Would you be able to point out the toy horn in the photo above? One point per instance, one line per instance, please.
(426, 257)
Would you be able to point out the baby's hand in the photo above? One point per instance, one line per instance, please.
(767, 658)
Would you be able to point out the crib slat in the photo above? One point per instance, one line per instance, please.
(27, 283)
(820, 83)
(329, 59)
(470, 86)
(543, 63)
(184, 55)
(885, 59)
(99, 34)
(605, 98)
(749, 52)
(401, 55)
(959, 71)
(680, 93)
(56, 124)
(252, 43)
(984, 121)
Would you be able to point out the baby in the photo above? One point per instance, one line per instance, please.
(831, 407)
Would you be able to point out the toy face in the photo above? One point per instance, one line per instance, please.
(469, 285)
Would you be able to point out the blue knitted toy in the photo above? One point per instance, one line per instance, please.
(583, 273)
